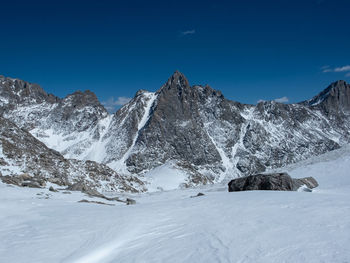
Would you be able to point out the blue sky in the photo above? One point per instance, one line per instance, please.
(250, 50)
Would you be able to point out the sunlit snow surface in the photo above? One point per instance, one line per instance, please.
(169, 226)
(164, 177)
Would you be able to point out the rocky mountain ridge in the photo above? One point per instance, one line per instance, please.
(195, 128)
(22, 155)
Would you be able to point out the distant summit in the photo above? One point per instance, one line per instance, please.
(194, 129)
(335, 98)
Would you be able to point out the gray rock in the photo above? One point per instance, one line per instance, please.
(309, 182)
(32, 184)
(83, 187)
(24, 180)
(24, 177)
(130, 201)
(11, 180)
(334, 99)
(52, 189)
(57, 181)
(197, 195)
(276, 181)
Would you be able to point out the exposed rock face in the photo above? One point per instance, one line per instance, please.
(333, 100)
(18, 92)
(334, 104)
(175, 129)
(309, 182)
(24, 180)
(277, 182)
(84, 188)
(75, 118)
(194, 126)
(124, 129)
(25, 161)
(197, 125)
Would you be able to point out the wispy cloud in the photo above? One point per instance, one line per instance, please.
(326, 69)
(280, 100)
(188, 32)
(342, 69)
(112, 104)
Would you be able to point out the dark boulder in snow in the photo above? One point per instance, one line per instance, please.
(197, 195)
(275, 181)
(52, 189)
(130, 201)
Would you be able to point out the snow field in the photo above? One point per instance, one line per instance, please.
(170, 226)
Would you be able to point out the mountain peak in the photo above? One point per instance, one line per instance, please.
(334, 98)
(339, 82)
(178, 79)
(192, 127)
(141, 92)
(18, 91)
(178, 73)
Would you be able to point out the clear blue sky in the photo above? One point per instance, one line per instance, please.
(249, 50)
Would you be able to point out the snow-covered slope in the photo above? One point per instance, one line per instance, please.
(194, 128)
(21, 153)
(254, 226)
(71, 125)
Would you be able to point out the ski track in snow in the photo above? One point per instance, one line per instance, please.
(252, 226)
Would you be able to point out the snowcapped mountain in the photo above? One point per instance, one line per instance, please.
(191, 128)
(69, 125)
(21, 153)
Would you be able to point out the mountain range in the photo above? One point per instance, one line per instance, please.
(194, 129)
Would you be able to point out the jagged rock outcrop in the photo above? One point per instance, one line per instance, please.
(175, 129)
(309, 182)
(276, 181)
(24, 180)
(334, 103)
(69, 125)
(18, 92)
(195, 127)
(25, 161)
(334, 99)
